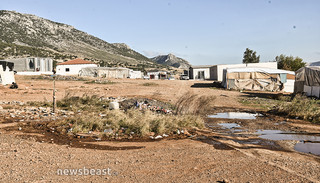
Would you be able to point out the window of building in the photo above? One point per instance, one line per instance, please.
(67, 69)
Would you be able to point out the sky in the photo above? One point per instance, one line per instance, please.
(204, 32)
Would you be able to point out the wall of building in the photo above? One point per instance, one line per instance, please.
(218, 75)
(135, 74)
(33, 64)
(155, 75)
(289, 86)
(73, 69)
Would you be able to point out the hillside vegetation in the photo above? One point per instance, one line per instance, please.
(29, 35)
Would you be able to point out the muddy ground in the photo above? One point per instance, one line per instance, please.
(33, 153)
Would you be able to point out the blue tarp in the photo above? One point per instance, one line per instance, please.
(283, 77)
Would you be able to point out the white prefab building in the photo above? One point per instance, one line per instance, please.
(6, 72)
(32, 65)
(72, 67)
(215, 72)
(200, 72)
(156, 74)
(135, 74)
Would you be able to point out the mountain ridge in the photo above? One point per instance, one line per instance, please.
(171, 60)
(27, 31)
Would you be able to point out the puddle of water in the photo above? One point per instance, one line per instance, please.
(229, 125)
(282, 135)
(235, 115)
(313, 148)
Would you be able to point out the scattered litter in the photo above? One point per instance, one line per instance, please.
(20, 128)
(165, 135)
(113, 105)
(109, 130)
(158, 137)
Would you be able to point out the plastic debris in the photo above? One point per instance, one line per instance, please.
(158, 137)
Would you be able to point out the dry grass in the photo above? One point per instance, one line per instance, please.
(84, 103)
(133, 121)
(191, 103)
(301, 107)
(150, 84)
(106, 82)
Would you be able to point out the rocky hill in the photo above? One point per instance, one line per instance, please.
(171, 60)
(29, 35)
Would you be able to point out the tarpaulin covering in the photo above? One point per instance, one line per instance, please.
(308, 81)
(310, 76)
(263, 79)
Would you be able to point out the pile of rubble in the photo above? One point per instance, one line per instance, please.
(28, 113)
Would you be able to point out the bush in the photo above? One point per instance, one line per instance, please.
(134, 121)
(301, 107)
(191, 103)
(85, 103)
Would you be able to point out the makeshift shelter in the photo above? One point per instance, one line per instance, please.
(308, 81)
(263, 79)
(106, 72)
(6, 72)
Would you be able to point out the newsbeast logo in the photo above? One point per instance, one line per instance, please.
(86, 171)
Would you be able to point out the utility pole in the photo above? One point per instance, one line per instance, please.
(54, 94)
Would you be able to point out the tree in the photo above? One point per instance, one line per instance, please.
(289, 62)
(249, 56)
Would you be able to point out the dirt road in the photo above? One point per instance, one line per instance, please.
(210, 156)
